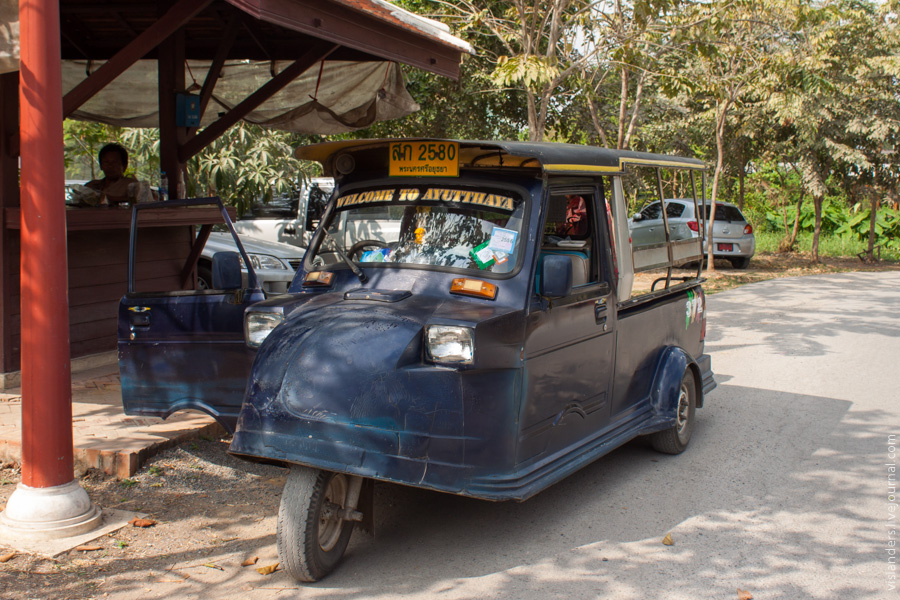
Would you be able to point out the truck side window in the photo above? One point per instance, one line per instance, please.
(570, 230)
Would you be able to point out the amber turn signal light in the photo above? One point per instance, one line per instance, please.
(323, 278)
(473, 287)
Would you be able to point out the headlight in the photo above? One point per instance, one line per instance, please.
(258, 326)
(450, 344)
(264, 261)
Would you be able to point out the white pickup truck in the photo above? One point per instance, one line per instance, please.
(293, 221)
(288, 221)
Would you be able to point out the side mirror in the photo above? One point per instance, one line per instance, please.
(556, 276)
(637, 217)
(226, 271)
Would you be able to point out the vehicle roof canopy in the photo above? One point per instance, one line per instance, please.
(550, 157)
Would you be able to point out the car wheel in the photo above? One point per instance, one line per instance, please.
(312, 534)
(675, 439)
(740, 263)
(204, 277)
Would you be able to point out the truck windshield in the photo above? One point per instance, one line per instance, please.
(461, 228)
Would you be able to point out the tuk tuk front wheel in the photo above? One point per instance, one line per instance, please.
(312, 534)
(675, 439)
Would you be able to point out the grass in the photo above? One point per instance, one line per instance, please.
(829, 245)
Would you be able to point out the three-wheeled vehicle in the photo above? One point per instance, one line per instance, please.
(470, 317)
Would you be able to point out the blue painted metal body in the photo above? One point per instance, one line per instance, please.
(344, 383)
(184, 349)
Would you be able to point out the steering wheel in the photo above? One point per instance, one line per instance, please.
(355, 248)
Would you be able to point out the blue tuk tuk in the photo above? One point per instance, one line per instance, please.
(470, 317)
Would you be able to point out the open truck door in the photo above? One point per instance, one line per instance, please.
(181, 347)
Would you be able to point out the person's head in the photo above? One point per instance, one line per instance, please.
(113, 160)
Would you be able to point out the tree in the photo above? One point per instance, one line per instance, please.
(722, 50)
(542, 44)
(834, 86)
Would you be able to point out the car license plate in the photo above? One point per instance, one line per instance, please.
(726, 247)
(431, 159)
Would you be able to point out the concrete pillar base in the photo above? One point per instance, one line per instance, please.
(50, 513)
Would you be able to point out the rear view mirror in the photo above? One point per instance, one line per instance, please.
(226, 271)
(556, 276)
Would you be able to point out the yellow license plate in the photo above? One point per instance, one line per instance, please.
(424, 159)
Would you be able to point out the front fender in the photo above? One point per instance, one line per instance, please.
(667, 381)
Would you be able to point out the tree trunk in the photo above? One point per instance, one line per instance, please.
(796, 231)
(634, 111)
(741, 177)
(720, 161)
(595, 118)
(623, 101)
(532, 117)
(873, 218)
(817, 203)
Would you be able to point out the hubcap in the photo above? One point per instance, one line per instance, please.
(330, 520)
(684, 408)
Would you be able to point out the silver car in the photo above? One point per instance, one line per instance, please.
(732, 235)
(273, 262)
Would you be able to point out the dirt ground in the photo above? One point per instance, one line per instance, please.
(772, 266)
(213, 512)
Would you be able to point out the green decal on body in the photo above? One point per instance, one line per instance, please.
(689, 309)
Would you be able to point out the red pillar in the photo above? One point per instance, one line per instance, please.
(46, 372)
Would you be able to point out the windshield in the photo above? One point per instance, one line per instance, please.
(460, 228)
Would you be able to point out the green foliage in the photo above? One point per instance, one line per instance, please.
(840, 221)
(245, 164)
(834, 215)
(528, 71)
(887, 227)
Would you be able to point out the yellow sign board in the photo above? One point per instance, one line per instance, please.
(424, 159)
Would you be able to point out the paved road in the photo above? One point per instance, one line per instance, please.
(783, 491)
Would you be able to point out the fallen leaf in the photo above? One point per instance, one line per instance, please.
(7, 557)
(136, 522)
(250, 561)
(88, 548)
(668, 540)
(744, 595)
(268, 570)
(212, 566)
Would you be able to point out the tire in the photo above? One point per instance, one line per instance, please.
(204, 277)
(675, 439)
(310, 542)
(740, 263)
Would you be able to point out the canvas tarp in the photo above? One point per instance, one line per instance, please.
(9, 36)
(333, 98)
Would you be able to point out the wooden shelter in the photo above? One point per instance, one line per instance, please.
(119, 33)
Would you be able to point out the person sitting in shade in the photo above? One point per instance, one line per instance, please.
(113, 188)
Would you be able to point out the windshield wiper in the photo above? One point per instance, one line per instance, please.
(353, 267)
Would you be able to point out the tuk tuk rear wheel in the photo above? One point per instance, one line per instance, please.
(312, 534)
(674, 440)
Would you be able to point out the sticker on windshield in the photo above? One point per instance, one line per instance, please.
(482, 255)
(502, 240)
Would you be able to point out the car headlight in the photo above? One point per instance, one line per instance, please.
(258, 326)
(450, 344)
(265, 261)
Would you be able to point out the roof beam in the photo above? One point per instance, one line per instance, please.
(215, 69)
(175, 17)
(320, 51)
(359, 30)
